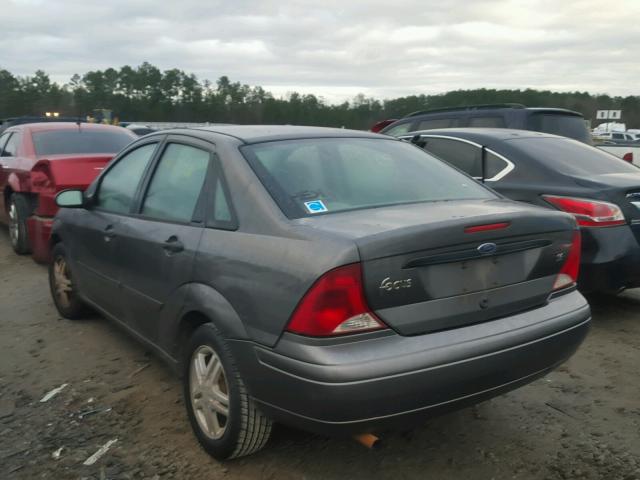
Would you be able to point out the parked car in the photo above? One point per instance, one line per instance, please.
(139, 129)
(557, 121)
(618, 137)
(334, 280)
(376, 127)
(629, 152)
(40, 159)
(10, 122)
(600, 190)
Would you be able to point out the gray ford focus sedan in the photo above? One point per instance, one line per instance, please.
(337, 281)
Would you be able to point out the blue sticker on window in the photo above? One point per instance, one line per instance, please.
(315, 206)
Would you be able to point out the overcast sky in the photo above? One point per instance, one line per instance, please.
(337, 48)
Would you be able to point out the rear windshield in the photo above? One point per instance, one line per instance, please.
(64, 142)
(573, 158)
(570, 126)
(316, 176)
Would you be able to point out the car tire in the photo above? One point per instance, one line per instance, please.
(62, 286)
(213, 386)
(19, 211)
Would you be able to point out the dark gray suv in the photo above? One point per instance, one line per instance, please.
(338, 281)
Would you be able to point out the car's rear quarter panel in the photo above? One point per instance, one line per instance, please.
(265, 266)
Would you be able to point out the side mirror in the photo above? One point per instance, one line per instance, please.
(70, 199)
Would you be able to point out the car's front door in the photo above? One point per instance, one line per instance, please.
(157, 246)
(97, 229)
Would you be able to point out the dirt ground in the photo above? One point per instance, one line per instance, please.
(581, 421)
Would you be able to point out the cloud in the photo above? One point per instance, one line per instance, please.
(337, 48)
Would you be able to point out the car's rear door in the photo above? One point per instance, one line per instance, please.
(157, 245)
(96, 230)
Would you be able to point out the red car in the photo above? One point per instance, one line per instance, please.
(37, 161)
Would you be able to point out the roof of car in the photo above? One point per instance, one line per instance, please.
(473, 109)
(484, 134)
(42, 126)
(267, 133)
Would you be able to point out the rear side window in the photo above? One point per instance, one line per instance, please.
(221, 209)
(487, 122)
(571, 126)
(76, 141)
(11, 147)
(307, 177)
(573, 158)
(495, 166)
(177, 183)
(433, 123)
(119, 184)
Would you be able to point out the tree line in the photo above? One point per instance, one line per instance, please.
(145, 93)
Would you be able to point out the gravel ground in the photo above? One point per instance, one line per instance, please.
(581, 421)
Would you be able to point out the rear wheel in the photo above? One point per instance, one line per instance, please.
(18, 214)
(62, 286)
(224, 418)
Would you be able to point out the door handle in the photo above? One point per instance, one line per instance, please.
(173, 245)
(109, 234)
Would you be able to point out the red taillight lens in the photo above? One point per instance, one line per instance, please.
(335, 305)
(568, 274)
(589, 213)
(628, 157)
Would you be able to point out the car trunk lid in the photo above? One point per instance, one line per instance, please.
(623, 189)
(424, 271)
(55, 173)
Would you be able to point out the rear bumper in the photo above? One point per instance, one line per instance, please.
(610, 259)
(388, 381)
(39, 229)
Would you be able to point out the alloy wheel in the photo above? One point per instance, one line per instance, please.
(14, 226)
(62, 282)
(209, 392)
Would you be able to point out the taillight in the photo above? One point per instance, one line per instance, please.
(628, 157)
(41, 178)
(568, 274)
(589, 213)
(335, 305)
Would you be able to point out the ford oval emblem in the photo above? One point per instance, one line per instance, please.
(487, 248)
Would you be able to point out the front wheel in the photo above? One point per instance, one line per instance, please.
(224, 418)
(63, 288)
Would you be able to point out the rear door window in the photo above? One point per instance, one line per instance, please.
(461, 155)
(177, 183)
(398, 129)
